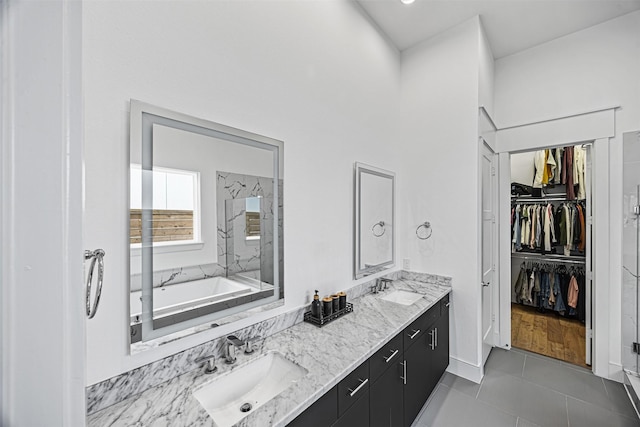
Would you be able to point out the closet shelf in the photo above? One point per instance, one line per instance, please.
(548, 257)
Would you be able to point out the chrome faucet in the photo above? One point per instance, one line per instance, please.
(384, 282)
(381, 284)
(230, 349)
(209, 364)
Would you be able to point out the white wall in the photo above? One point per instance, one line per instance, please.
(486, 72)
(587, 70)
(440, 95)
(522, 167)
(316, 75)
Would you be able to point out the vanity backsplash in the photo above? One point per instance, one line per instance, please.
(121, 387)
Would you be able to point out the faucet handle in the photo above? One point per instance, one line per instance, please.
(248, 345)
(209, 363)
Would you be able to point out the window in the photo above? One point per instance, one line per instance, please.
(252, 215)
(175, 200)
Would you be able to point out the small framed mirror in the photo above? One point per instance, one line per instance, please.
(205, 217)
(374, 220)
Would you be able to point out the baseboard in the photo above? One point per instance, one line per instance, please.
(465, 370)
(615, 372)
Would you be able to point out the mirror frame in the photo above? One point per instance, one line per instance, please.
(142, 118)
(359, 169)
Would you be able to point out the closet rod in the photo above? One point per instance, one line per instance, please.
(549, 258)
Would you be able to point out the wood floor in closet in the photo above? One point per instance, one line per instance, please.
(548, 334)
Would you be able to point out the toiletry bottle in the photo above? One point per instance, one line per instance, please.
(316, 311)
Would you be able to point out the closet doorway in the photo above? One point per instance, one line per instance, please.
(550, 232)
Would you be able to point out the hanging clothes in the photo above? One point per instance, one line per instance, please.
(568, 176)
(550, 165)
(579, 162)
(517, 228)
(557, 179)
(554, 288)
(568, 229)
(574, 291)
(583, 228)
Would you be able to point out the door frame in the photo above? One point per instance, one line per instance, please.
(597, 126)
(42, 300)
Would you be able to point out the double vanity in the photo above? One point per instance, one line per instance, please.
(375, 366)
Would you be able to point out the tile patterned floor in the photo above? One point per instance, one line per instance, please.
(522, 389)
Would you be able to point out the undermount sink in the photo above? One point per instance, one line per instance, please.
(402, 297)
(236, 394)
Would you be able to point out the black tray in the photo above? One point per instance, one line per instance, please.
(327, 319)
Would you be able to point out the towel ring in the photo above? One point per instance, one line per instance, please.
(98, 256)
(378, 224)
(427, 226)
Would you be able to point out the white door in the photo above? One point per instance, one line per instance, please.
(488, 244)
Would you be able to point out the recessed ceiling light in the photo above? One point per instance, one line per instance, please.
(407, 1)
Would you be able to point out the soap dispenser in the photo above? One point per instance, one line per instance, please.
(316, 310)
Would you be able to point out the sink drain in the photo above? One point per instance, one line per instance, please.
(246, 407)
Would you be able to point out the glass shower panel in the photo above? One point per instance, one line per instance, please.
(630, 252)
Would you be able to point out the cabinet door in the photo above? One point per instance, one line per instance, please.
(323, 413)
(416, 389)
(357, 415)
(353, 387)
(386, 398)
(386, 357)
(418, 328)
(441, 356)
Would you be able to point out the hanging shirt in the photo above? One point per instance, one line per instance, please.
(517, 229)
(568, 164)
(583, 238)
(568, 229)
(539, 242)
(573, 293)
(558, 157)
(539, 163)
(580, 162)
(548, 227)
(526, 226)
(552, 224)
(550, 166)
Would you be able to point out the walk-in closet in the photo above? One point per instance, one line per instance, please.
(551, 252)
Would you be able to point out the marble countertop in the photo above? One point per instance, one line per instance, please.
(329, 354)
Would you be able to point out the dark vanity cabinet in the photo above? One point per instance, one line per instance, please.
(386, 393)
(426, 358)
(324, 412)
(346, 404)
(390, 388)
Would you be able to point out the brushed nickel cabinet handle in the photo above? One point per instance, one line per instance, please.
(386, 359)
(414, 333)
(362, 383)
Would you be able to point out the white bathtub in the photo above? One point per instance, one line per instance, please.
(188, 295)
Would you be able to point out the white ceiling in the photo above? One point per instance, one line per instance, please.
(510, 25)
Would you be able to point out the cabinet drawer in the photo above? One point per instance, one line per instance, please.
(385, 357)
(324, 412)
(444, 304)
(353, 387)
(418, 328)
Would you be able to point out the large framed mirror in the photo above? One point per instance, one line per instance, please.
(374, 220)
(205, 217)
